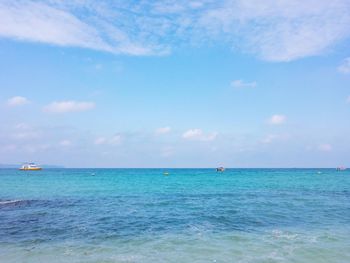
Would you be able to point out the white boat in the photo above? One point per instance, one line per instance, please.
(341, 168)
(30, 167)
(220, 169)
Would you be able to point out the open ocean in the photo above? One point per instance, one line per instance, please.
(192, 215)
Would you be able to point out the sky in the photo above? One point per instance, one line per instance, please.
(202, 83)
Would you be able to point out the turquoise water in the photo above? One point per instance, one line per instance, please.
(192, 215)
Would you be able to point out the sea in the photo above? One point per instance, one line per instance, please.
(175, 215)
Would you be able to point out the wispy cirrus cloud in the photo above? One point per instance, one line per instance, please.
(17, 101)
(274, 31)
(280, 31)
(68, 106)
(39, 22)
(58, 23)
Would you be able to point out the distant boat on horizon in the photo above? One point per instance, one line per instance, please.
(220, 169)
(341, 168)
(30, 167)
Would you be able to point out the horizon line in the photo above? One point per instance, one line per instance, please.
(181, 167)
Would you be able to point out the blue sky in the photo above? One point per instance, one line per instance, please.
(175, 83)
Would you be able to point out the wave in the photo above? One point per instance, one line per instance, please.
(11, 202)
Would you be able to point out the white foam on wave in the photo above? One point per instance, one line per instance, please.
(284, 234)
(9, 202)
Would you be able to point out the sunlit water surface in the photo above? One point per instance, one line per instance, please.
(191, 215)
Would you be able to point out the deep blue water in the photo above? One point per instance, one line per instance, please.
(192, 215)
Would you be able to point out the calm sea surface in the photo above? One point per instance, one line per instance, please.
(192, 215)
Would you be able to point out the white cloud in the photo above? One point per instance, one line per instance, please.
(17, 101)
(56, 23)
(98, 66)
(275, 31)
(345, 66)
(198, 135)
(65, 143)
(242, 84)
(39, 22)
(162, 130)
(283, 30)
(270, 138)
(114, 140)
(22, 126)
(325, 147)
(100, 140)
(277, 119)
(24, 131)
(26, 135)
(68, 106)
